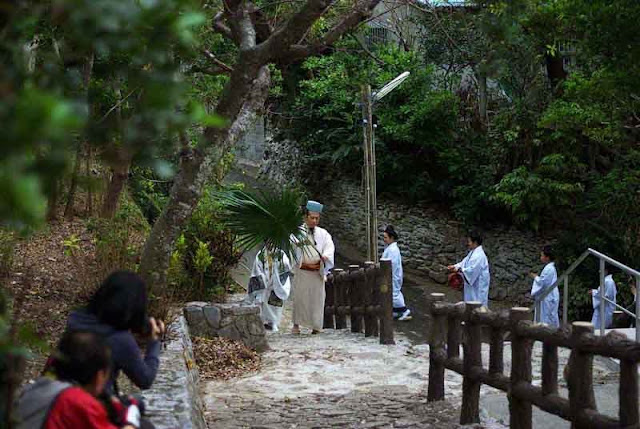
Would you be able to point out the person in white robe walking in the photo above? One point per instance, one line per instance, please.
(392, 252)
(541, 284)
(316, 258)
(475, 271)
(270, 286)
(610, 293)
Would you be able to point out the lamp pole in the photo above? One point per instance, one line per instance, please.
(369, 178)
(370, 173)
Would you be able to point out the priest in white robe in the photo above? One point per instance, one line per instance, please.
(475, 271)
(315, 259)
(541, 284)
(392, 252)
(270, 286)
(610, 292)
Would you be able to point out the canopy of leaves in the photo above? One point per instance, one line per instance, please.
(265, 219)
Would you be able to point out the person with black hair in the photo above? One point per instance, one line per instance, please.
(475, 271)
(392, 252)
(80, 367)
(116, 311)
(541, 284)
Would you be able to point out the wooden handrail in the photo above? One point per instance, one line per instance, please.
(580, 408)
(363, 294)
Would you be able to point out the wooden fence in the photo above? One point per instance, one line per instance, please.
(448, 332)
(365, 294)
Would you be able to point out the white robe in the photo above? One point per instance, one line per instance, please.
(610, 293)
(549, 305)
(393, 252)
(475, 271)
(308, 286)
(270, 286)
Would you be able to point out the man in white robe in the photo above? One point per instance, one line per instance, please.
(392, 252)
(541, 284)
(475, 271)
(610, 292)
(316, 258)
(270, 286)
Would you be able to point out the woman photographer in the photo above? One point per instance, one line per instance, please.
(116, 311)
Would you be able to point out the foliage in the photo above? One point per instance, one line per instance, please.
(268, 220)
(118, 241)
(532, 195)
(205, 229)
(415, 121)
(202, 261)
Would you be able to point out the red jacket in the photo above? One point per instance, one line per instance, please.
(75, 408)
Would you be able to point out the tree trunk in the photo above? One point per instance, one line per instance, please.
(119, 176)
(240, 101)
(482, 96)
(52, 202)
(68, 209)
(555, 71)
(87, 166)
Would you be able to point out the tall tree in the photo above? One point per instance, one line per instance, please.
(261, 39)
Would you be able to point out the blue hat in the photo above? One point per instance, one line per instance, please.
(314, 206)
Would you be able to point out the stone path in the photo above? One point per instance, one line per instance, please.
(375, 408)
(335, 379)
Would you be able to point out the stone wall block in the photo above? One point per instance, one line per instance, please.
(213, 316)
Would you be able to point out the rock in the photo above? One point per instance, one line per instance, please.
(213, 316)
(438, 276)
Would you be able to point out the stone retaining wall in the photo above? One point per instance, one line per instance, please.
(174, 400)
(234, 320)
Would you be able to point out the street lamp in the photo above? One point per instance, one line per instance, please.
(368, 102)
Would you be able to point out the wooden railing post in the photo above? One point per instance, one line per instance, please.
(437, 353)
(580, 374)
(628, 394)
(338, 290)
(355, 287)
(520, 410)
(454, 331)
(329, 304)
(368, 302)
(549, 369)
(496, 351)
(472, 345)
(386, 298)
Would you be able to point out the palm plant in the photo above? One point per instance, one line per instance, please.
(269, 220)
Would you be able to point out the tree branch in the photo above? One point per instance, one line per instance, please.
(360, 12)
(217, 62)
(293, 30)
(220, 27)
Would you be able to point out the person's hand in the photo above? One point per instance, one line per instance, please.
(157, 328)
(451, 268)
(533, 275)
(325, 258)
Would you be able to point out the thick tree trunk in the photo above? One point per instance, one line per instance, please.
(119, 176)
(195, 167)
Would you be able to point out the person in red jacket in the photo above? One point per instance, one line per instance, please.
(81, 366)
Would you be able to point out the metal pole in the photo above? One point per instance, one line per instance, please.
(637, 308)
(374, 193)
(565, 301)
(366, 131)
(602, 301)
